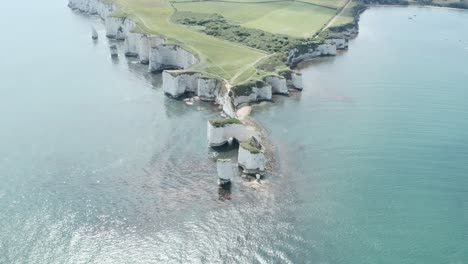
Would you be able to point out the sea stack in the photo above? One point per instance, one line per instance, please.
(252, 157)
(225, 171)
(113, 50)
(94, 34)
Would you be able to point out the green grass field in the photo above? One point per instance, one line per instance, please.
(221, 58)
(295, 19)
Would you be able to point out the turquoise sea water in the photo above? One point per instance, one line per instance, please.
(98, 166)
(376, 146)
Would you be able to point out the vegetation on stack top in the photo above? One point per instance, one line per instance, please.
(221, 122)
(246, 87)
(251, 146)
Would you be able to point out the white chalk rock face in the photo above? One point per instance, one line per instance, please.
(132, 44)
(251, 162)
(340, 43)
(296, 55)
(118, 27)
(176, 84)
(278, 84)
(226, 170)
(144, 49)
(147, 42)
(218, 136)
(252, 92)
(207, 89)
(168, 56)
(296, 80)
(293, 79)
(93, 7)
(227, 104)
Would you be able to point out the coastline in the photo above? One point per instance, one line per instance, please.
(175, 63)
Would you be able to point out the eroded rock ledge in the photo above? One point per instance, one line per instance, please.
(251, 154)
(175, 63)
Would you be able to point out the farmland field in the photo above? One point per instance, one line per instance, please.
(222, 58)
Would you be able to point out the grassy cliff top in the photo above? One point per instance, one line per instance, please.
(230, 58)
(250, 146)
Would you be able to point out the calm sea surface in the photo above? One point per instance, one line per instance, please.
(98, 166)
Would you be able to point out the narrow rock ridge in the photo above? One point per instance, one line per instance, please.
(251, 153)
(175, 62)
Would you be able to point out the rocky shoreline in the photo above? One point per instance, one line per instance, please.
(174, 62)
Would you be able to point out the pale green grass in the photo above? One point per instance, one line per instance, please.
(346, 16)
(218, 57)
(297, 20)
(337, 4)
(236, 12)
(290, 18)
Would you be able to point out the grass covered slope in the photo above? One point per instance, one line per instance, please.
(218, 57)
(251, 33)
(293, 18)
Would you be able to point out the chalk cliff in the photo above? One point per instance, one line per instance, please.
(340, 43)
(293, 79)
(309, 51)
(251, 157)
(221, 130)
(252, 91)
(169, 56)
(278, 84)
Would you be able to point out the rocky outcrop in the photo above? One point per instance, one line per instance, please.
(114, 51)
(224, 99)
(147, 42)
(226, 171)
(118, 27)
(252, 91)
(309, 51)
(347, 31)
(293, 79)
(177, 83)
(132, 44)
(252, 157)
(94, 34)
(208, 88)
(93, 7)
(278, 84)
(168, 56)
(221, 130)
(340, 43)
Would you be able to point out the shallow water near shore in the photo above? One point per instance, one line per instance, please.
(98, 166)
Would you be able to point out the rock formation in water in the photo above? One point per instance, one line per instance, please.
(94, 34)
(113, 51)
(219, 131)
(252, 157)
(175, 61)
(226, 171)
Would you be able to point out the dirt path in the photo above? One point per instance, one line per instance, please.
(245, 68)
(335, 17)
